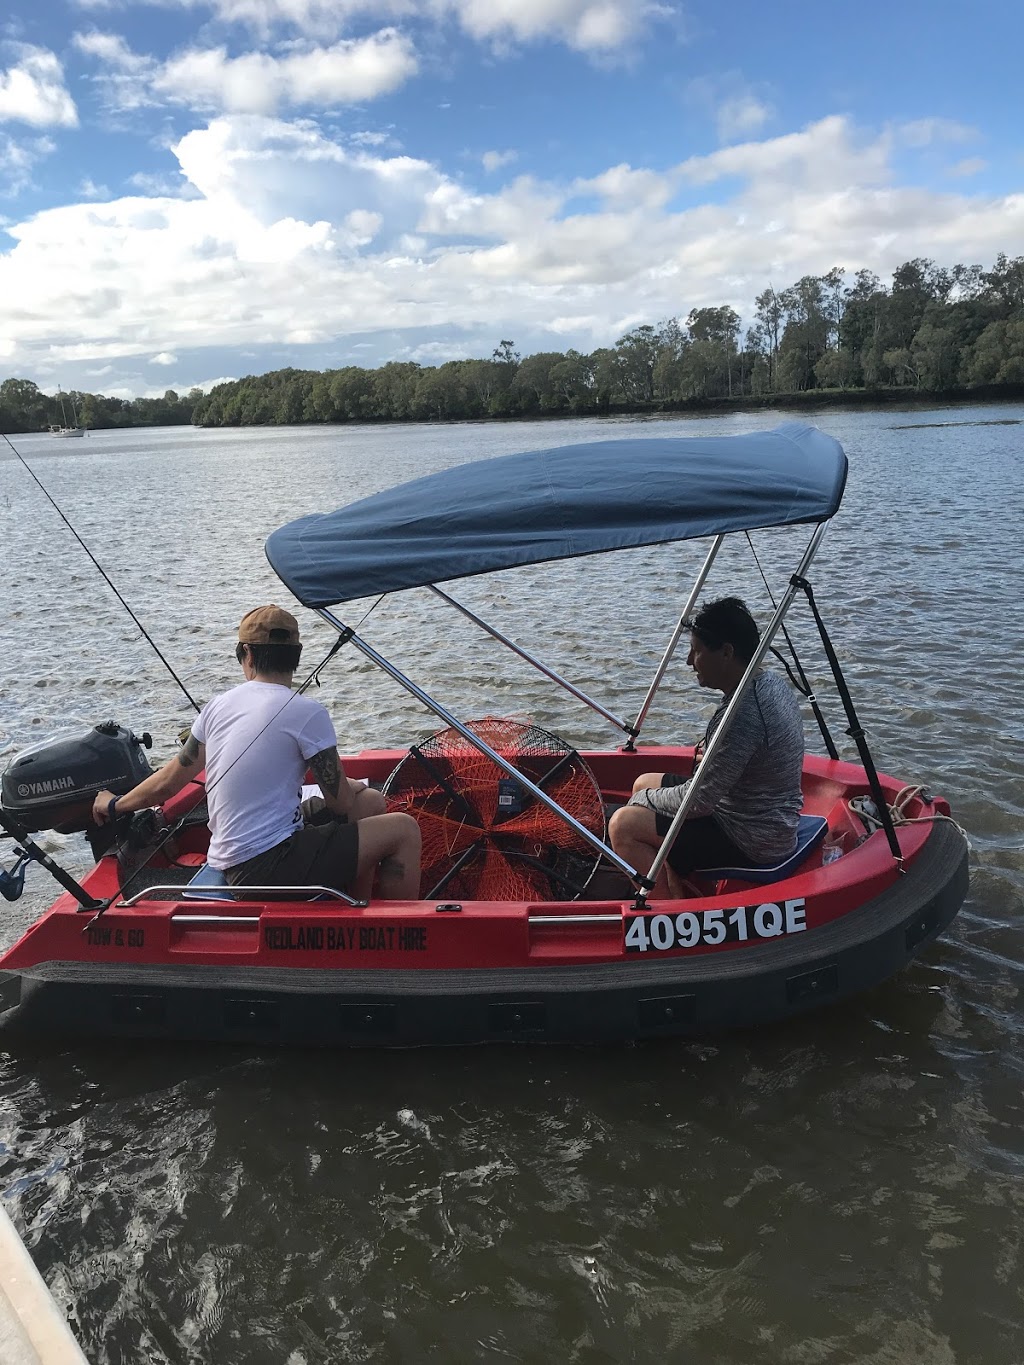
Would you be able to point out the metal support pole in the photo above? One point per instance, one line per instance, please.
(634, 729)
(32, 850)
(426, 700)
(617, 721)
(855, 730)
(715, 743)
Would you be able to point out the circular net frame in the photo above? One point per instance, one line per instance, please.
(485, 836)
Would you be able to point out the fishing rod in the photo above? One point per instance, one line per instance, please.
(110, 584)
(11, 886)
(11, 883)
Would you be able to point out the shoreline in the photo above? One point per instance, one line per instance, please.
(809, 400)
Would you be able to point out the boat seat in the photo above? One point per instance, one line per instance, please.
(810, 832)
(207, 885)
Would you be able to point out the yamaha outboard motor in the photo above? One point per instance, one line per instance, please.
(53, 785)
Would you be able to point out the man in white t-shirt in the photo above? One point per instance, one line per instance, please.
(256, 743)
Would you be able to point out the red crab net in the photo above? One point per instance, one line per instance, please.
(485, 836)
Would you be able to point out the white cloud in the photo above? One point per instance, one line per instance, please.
(182, 387)
(737, 108)
(321, 18)
(363, 225)
(291, 237)
(17, 160)
(972, 165)
(827, 155)
(127, 76)
(164, 358)
(272, 172)
(158, 185)
(34, 91)
(493, 161)
(124, 391)
(88, 189)
(517, 209)
(622, 186)
(435, 352)
(349, 72)
(599, 27)
(110, 48)
(368, 138)
(742, 116)
(924, 132)
(588, 25)
(207, 384)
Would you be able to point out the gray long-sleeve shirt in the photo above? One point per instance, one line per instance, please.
(752, 785)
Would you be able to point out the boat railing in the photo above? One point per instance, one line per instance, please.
(241, 892)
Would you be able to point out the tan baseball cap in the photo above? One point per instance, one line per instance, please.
(268, 626)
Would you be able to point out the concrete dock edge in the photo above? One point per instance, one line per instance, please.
(32, 1328)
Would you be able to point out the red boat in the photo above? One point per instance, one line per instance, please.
(530, 926)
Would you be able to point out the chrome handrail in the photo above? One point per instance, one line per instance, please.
(180, 890)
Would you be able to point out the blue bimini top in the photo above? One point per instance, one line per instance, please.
(558, 503)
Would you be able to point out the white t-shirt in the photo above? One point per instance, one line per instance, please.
(259, 739)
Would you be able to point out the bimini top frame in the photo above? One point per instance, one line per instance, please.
(560, 503)
(555, 504)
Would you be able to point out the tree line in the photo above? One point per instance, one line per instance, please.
(934, 330)
(24, 407)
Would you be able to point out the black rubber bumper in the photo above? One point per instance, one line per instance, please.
(673, 996)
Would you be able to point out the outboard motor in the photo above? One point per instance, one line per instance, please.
(53, 785)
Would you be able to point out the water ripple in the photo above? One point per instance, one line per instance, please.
(844, 1188)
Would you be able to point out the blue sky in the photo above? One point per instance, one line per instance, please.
(193, 190)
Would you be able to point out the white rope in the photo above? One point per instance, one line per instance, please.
(897, 811)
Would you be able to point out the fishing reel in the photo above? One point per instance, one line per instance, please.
(141, 835)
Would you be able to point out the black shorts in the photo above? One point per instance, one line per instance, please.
(702, 842)
(317, 855)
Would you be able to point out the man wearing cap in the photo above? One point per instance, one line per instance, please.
(256, 742)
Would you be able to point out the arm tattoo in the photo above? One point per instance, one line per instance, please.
(188, 755)
(327, 771)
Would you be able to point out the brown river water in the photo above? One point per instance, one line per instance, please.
(842, 1188)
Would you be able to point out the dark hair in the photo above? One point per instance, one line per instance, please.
(727, 621)
(271, 658)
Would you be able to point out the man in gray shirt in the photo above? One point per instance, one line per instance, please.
(749, 801)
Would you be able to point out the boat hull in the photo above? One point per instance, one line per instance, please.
(675, 994)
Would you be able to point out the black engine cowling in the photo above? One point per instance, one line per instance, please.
(53, 785)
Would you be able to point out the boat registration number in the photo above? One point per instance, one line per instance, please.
(709, 928)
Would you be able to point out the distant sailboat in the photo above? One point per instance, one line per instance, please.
(64, 429)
